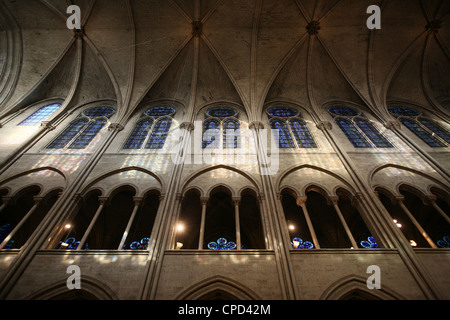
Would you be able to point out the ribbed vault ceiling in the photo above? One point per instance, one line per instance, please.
(250, 52)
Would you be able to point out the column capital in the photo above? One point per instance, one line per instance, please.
(399, 199)
(103, 200)
(6, 199)
(236, 200)
(334, 200)
(37, 199)
(301, 200)
(204, 200)
(137, 200)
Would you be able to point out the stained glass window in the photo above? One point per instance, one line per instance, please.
(210, 129)
(231, 136)
(372, 133)
(290, 126)
(405, 112)
(344, 111)
(88, 134)
(426, 129)
(423, 134)
(284, 136)
(42, 114)
(436, 128)
(159, 134)
(282, 112)
(80, 133)
(350, 131)
(152, 130)
(68, 134)
(301, 134)
(358, 129)
(221, 112)
(221, 122)
(139, 134)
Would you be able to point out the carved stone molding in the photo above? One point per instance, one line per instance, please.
(391, 125)
(324, 125)
(256, 125)
(189, 126)
(115, 127)
(47, 125)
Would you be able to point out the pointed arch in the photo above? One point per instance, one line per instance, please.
(92, 289)
(342, 288)
(215, 284)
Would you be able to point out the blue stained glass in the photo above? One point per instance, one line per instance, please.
(344, 111)
(5, 230)
(40, 115)
(372, 133)
(140, 245)
(403, 111)
(301, 134)
(283, 112)
(370, 243)
(99, 112)
(139, 134)
(68, 134)
(222, 244)
(88, 134)
(298, 243)
(436, 128)
(444, 243)
(157, 112)
(221, 112)
(70, 244)
(422, 133)
(159, 134)
(211, 128)
(284, 137)
(231, 134)
(350, 131)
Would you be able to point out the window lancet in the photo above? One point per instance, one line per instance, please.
(358, 129)
(40, 115)
(152, 129)
(221, 128)
(80, 132)
(292, 129)
(426, 129)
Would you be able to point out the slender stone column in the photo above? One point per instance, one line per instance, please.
(137, 203)
(37, 201)
(236, 201)
(91, 225)
(415, 222)
(432, 200)
(335, 201)
(204, 201)
(301, 202)
(6, 200)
